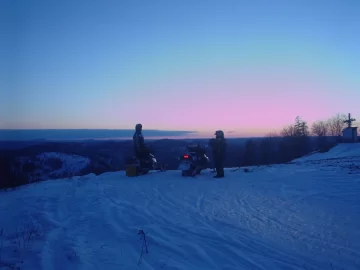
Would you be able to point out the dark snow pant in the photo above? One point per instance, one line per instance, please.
(219, 166)
(142, 153)
(142, 156)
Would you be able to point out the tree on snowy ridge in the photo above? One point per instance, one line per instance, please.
(301, 128)
(332, 127)
(336, 124)
(288, 131)
(320, 128)
(295, 142)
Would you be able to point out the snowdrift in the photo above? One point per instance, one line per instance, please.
(289, 216)
(345, 150)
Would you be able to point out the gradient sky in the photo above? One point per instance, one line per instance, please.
(244, 66)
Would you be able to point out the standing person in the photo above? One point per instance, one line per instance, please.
(139, 143)
(219, 150)
(213, 151)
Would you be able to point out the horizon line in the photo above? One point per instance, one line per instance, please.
(96, 129)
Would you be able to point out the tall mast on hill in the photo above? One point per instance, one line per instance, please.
(349, 121)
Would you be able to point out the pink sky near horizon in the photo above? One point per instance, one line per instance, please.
(248, 103)
(251, 104)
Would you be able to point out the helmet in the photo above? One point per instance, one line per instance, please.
(138, 127)
(219, 134)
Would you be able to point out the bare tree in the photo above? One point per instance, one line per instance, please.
(336, 124)
(320, 128)
(288, 131)
(299, 129)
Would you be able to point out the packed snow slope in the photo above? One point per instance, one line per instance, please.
(293, 216)
(341, 151)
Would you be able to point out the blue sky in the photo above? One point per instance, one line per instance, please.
(111, 64)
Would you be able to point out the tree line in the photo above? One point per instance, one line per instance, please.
(294, 141)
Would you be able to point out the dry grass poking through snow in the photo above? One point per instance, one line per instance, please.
(19, 242)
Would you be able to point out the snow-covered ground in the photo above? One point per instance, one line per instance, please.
(349, 150)
(70, 163)
(293, 216)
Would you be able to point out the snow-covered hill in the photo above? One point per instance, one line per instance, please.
(342, 156)
(347, 150)
(294, 216)
(69, 163)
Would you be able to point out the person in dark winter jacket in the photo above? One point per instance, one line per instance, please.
(218, 146)
(140, 148)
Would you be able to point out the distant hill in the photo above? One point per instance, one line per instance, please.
(32, 161)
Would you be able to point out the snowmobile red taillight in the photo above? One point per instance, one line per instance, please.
(186, 156)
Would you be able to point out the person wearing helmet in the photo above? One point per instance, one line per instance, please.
(218, 146)
(139, 143)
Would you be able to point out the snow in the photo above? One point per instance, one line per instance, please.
(71, 163)
(291, 216)
(345, 150)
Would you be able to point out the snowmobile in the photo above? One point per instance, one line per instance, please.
(145, 164)
(194, 161)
